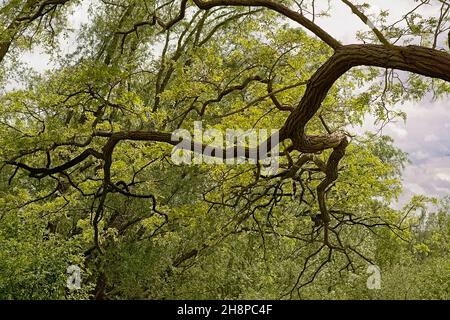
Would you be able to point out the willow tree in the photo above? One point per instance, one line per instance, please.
(86, 146)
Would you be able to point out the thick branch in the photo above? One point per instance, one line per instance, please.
(154, 136)
(43, 172)
(420, 60)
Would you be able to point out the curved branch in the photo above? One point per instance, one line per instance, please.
(285, 11)
(43, 172)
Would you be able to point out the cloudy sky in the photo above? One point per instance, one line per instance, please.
(425, 136)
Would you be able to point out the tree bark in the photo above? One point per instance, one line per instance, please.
(420, 60)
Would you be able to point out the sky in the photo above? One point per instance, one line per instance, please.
(425, 135)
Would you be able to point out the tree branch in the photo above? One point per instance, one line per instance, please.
(285, 11)
(367, 21)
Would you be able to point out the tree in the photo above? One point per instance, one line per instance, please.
(91, 140)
